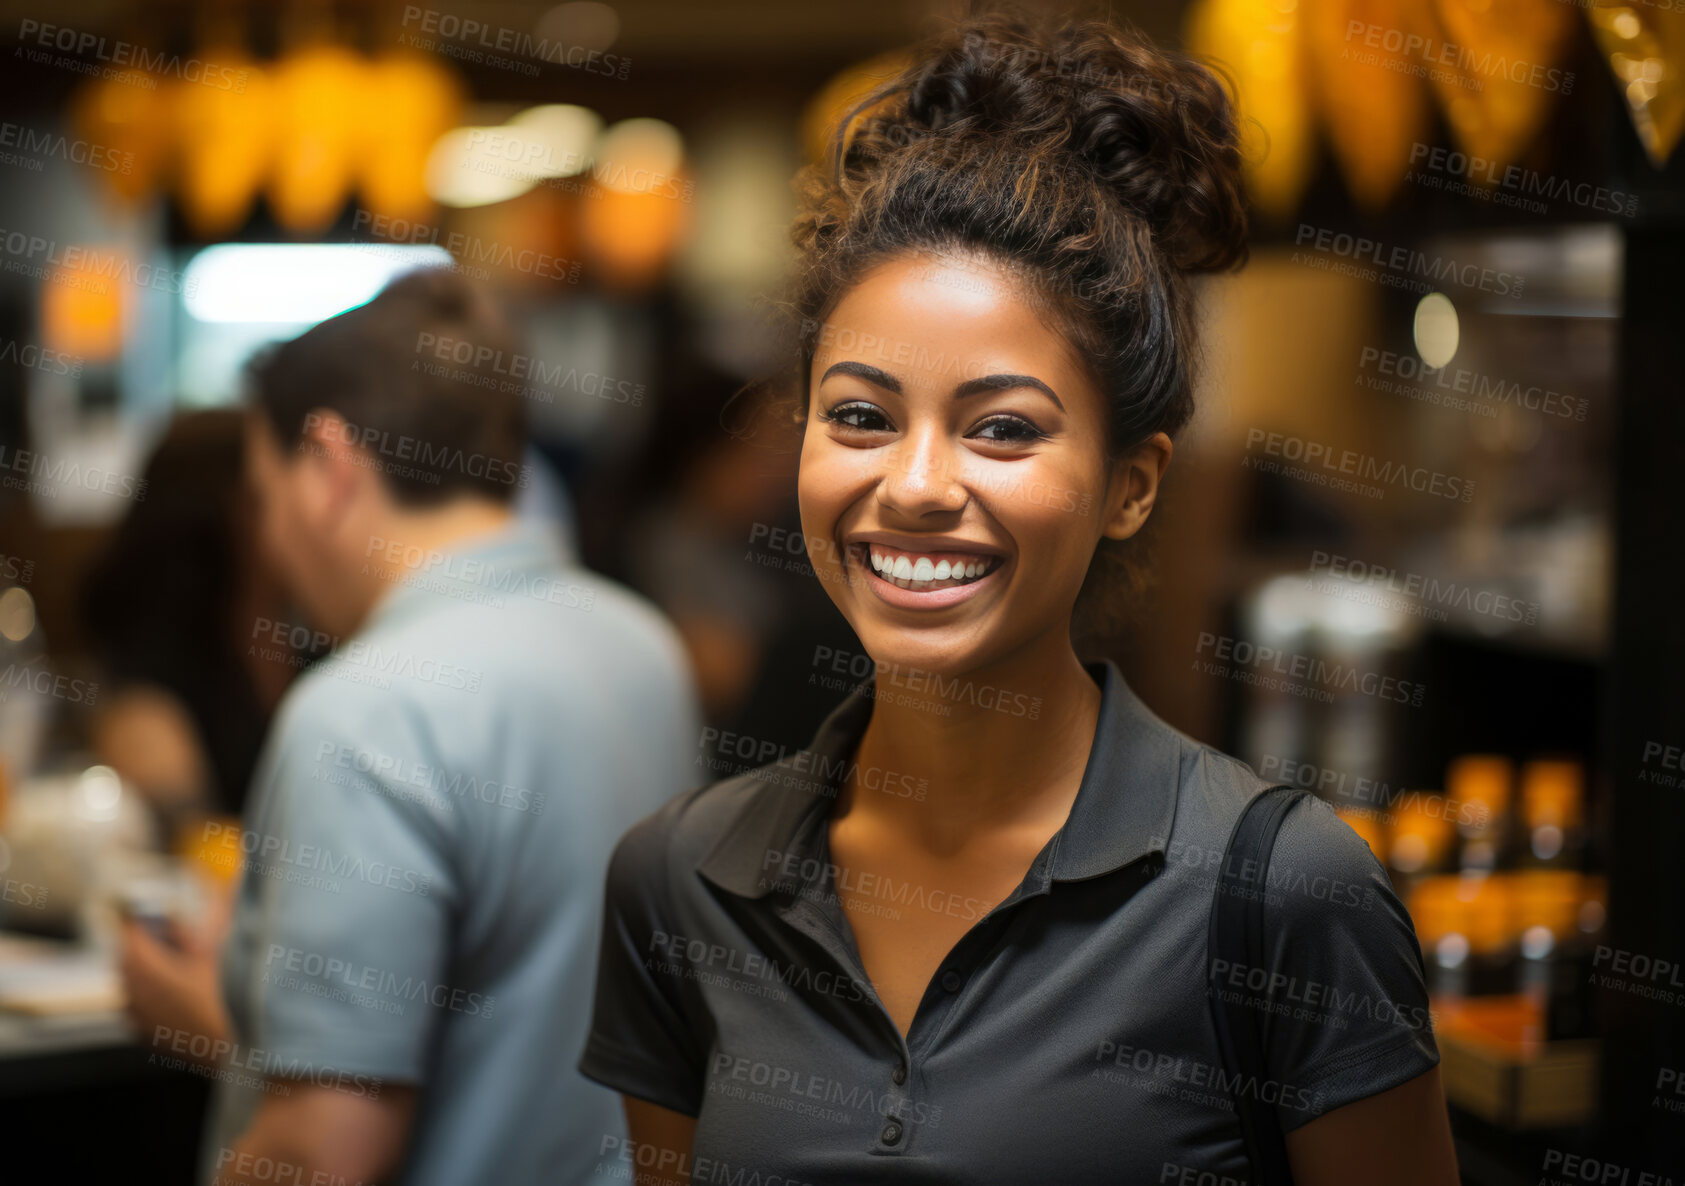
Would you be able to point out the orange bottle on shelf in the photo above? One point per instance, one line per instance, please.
(1479, 787)
(1553, 810)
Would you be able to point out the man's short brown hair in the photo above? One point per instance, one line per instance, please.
(390, 369)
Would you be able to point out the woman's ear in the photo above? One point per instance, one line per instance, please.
(1132, 486)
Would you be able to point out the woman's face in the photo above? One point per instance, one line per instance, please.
(954, 478)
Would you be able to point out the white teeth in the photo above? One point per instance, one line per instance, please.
(923, 571)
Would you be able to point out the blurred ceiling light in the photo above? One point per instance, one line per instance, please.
(132, 121)
(321, 107)
(465, 168)
(841, 95)
(584, 23)
(224, 140)
(638, 156)
(632, 236)
(82, 306)
(558, 138)
(1435, 331)
(17, 614)
(1644, 45)
(296, 284)
(1265, 45)
(414, 99)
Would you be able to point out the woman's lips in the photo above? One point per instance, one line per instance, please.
(924, 579)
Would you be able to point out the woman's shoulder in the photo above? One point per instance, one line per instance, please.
(1313, 841)
(677, 837)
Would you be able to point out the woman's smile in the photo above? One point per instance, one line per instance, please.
(932, 575)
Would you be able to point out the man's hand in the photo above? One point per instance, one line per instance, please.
(175, 986)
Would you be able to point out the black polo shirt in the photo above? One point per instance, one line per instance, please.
(1067, 1037)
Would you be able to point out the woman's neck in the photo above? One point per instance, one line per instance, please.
(998, 747)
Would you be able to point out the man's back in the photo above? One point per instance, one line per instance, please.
(426, 849)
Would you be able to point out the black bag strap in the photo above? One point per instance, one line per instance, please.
(1237, 940)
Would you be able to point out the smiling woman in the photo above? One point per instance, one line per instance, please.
(1003, 979)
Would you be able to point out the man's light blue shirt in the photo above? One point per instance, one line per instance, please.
(425, 852)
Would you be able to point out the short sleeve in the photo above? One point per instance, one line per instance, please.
(641, 1043)
(1345, 1004)
(354, 895)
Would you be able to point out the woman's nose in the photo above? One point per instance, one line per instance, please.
(922, 476)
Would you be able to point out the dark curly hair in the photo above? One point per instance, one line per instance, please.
(1096, 169)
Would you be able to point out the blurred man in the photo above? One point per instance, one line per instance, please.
(408, 973)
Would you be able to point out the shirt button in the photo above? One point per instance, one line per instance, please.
(891, 1133)
(951, 980)
(899, 1075)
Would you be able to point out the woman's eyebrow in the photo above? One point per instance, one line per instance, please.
(864, 371)
(1004, 383)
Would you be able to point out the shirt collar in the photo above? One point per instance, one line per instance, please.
(1123, 811)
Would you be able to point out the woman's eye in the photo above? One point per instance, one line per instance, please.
(1008, 430)
(860, 416)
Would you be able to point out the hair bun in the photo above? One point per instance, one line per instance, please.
(1156, 128)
